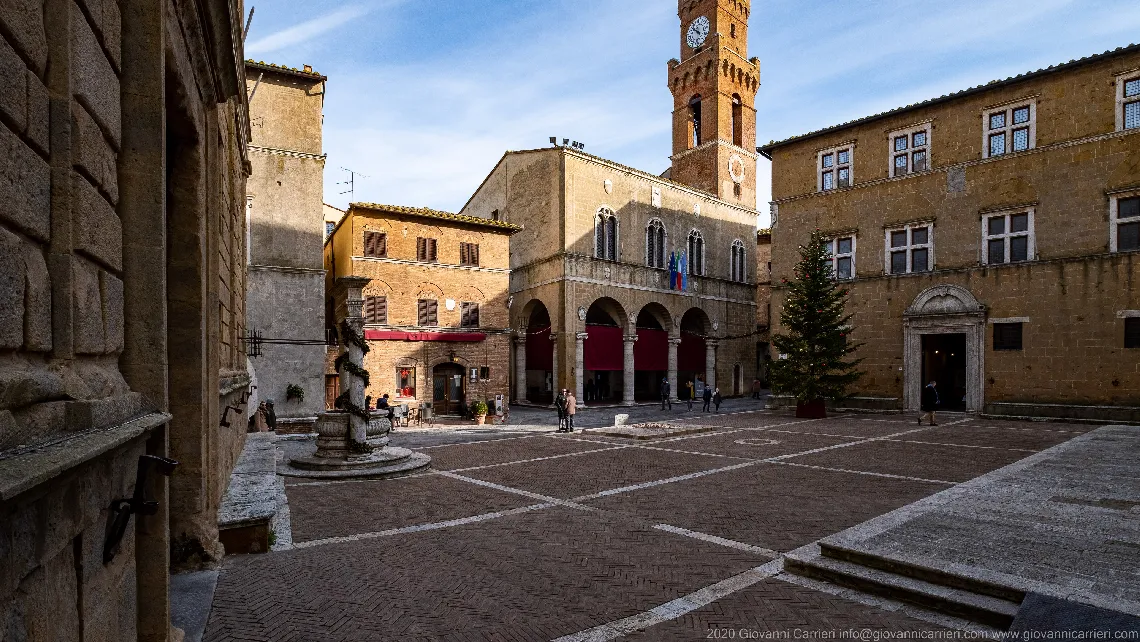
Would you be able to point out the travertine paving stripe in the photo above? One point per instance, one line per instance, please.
(332, 482)
(423, 527)
(661, 482)
(517, 491)
(860, 472)
(855, 443)
(527, 461)
(936, 443)
(713, 539)
(480, 441)
(676, 608)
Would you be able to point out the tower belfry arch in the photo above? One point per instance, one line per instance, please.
(714, 86)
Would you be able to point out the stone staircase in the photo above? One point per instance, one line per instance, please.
(961, 597)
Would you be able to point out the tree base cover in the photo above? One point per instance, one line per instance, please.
(814, 409)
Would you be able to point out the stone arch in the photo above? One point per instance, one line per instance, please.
(429, 290)
(535, 368)
(611, 308)
(658, 313)
(944, 299)
(377, 287)
(470, 293)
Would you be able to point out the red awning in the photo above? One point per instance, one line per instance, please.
(539, 350)
(603, 348)
(651, 352)
(691, 353)
(398, 335)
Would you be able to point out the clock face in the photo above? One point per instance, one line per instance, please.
(698, 31)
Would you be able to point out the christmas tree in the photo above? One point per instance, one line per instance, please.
(813, 362)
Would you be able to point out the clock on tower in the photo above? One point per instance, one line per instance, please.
(714, 86)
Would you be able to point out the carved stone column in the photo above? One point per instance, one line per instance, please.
(674, 383)
(627, 370)
(353, 303)
(520, 366)
(579, 366)
(710, 363)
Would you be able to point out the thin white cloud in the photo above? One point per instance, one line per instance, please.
(305, 31)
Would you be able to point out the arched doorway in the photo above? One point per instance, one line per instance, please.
(651, 352)
(692, 354)
(604, 352)
(539, 348)
(448, 389)
(943, 339)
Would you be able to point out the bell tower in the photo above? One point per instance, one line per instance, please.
(714, 88)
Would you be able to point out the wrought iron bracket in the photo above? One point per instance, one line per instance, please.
(122, 509)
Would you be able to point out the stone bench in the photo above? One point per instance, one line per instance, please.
(250, 502)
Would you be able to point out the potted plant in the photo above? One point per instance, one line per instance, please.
(479, 409)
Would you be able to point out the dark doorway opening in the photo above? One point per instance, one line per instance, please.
(448, 393)
(944, 361)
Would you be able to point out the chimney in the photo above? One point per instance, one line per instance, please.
(308, 69)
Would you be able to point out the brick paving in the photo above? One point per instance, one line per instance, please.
(486, 557)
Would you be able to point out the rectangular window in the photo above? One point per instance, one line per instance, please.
(425, 250)
(469, 254)
(375, 244)
(1124, 218)
(1007, 336)
(484, 373)
(910, 249)
(406, 382)
(842, 250)
(1132, 332)
(1008, 238)
(468, 315)
(1128, 101)
(427, 312)
(910, 150)
(376, 309)
(835, 168)
(1009, 129)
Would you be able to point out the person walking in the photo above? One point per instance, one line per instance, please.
(571, 409)
(689, 394)
(259, 424)
(756, 388)
(560, 406)
(930, 402)
(665, 400)
(717, 399)
(707, 399)
(270, 416)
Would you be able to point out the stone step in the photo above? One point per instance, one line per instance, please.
(983, 609)
(845, 553)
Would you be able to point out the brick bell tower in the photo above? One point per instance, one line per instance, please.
(714, 96)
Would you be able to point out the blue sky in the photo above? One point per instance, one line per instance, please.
(425, 97)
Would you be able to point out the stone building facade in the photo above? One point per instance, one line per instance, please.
(285, 200)
(592, 301)
(122, 304)
(436, 308)
(763, 303)
(990, 240)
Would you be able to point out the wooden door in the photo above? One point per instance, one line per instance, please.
(448, 389)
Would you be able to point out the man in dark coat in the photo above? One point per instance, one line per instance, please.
(560, 406)
(707, 397)
(270, 416)
(930, 402)
(665, 400)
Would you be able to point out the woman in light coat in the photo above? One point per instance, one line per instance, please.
(571, 409)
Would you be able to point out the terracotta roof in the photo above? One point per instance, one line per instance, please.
(424, 212)
(268, 66)
(993, 84)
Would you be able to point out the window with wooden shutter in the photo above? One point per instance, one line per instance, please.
(469, 254)
(469, 315)
(376, 309)
(375, 244)
(427, 312)
(421, 249)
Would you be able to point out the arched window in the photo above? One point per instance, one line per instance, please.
(655, 244)
(737, 121)
(696, 253)
(737, 271)
(606, 235)
(695, 120)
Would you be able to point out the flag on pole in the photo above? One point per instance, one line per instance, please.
(684, 270)
(672, 270)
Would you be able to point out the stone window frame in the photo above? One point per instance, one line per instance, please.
(893, 153)
(606, 222)
(910, 247)
(411, 379)
(1009, 127)
(695, 240)
(1114, 221)
(1122, 101)
(1131, 317)
(1007, 341)
(835, 166)
(1007, 235)
(833, 245)
(737, 262)
(656, 227)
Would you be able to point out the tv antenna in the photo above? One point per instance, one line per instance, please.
(351, 182)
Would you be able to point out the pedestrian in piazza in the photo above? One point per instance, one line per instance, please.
(560, 406)
(707, 398)
(756, 388)
(690, 395)
(571, 409)
(270, 416)
(716, 398)
(930, 402)
(665, 400)
(259, 424)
